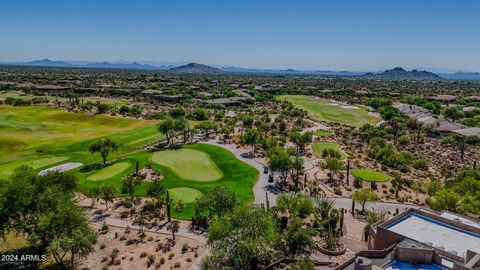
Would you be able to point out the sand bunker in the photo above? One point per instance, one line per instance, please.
(61, 168)
(349, 107)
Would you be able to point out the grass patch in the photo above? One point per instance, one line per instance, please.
(185, 194)
(188, 164)
(318, 148)
(12, 242)
(370, 175)
(109, 172)
(322, 133)
(326, 110)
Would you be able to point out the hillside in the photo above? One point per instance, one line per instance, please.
(399, 73)
(197, 68)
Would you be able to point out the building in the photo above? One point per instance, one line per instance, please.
(443, 98)
(436, 123)
(233, 101)
(421, 239)
(473, 131)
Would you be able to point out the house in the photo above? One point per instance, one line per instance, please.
(233, 101)
(469, 131)
(421, 239)
(169, 98)
(443, 98)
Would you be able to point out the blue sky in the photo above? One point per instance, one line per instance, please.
(335, 35)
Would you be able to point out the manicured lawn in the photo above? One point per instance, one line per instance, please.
(370, 175)
(318, 148)
(322, 133)
(42, 137)
(328, 111)
(109, 171)
(188, 164)
(185, 194)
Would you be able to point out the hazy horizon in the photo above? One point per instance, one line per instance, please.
(439, 36)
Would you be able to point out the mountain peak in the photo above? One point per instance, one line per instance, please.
(399, 73)
(197, 68)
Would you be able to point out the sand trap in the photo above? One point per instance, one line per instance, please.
(62, 168)
(332, 104)
(349, 107)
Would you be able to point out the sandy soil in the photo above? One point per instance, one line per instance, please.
(139, 255)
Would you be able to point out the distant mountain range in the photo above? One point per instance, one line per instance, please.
(51, 63)
(397, 73)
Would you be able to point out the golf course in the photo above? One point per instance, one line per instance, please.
(43, 137)
(330, 111)
(370, 175)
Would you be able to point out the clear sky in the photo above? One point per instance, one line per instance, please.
(300, 34)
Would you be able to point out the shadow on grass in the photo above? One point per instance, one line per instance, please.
(93, 167)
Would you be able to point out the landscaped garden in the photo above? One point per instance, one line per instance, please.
(329, 111)
(370, 175)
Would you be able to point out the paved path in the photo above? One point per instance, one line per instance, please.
(262, 188)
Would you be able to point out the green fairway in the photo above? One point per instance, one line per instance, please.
(329, 111)
(322, 133)
(370, 175)
(188, 164)
(41, 137)
(109, 171)
(318, 148)
(185, 194)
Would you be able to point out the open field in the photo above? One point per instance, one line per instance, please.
(235, 175)
(21, 95)
(42, 137)
(370, 175)
(188, 164)
(318, 148)
(329, 111)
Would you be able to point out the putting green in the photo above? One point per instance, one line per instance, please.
(188, 164)
(329, 111)
(370, 175)
(186, 194)
(322, 133)
(109, 171)
(320, 146)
